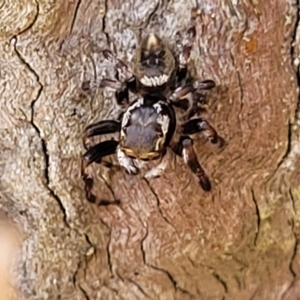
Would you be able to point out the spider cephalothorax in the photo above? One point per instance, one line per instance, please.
(148, 126)
(154, 63)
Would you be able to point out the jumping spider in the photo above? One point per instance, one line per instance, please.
(149, 126)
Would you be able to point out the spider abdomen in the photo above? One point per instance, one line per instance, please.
(141, 138)
(146, 129)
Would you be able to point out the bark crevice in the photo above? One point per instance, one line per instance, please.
(258, 218)
(294, 56)
(221, 281)
(14, 41)
(158, 201)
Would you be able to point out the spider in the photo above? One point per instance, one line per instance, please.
(148, 126)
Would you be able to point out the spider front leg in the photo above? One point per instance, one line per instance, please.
(187, 91)
(189, 40)
(120, 88)
(126, 162)
(200, 125)
(125, 74)
(99, 128)
(184, 92)
(95, 154)
(159, 169)
(186, 149)
(126, 79)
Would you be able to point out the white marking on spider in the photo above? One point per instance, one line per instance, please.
(126, 162)
(154, 81)
(152, 40)
(127, 114)
(143, 81)
(182, 61)
(185, 155)
(162, 120)
(165, 78)
(159, 169)
(140, 163)
(158, 106)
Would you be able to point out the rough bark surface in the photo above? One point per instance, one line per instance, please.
(168, 239)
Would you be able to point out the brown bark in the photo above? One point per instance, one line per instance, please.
(168, 239)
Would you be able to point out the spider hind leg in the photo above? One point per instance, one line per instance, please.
(190, 158)
(95, 154)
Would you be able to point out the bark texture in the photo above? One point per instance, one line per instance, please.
(168, 239)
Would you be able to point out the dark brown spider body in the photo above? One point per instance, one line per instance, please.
(149, 125)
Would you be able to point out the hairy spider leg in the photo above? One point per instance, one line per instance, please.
(124, 71)
(120, 88)
(125, 79)
(188, 42)
(181, 95)
(190, 158)
(99, 128)
(187, 92)
(187, 45)
(160, 168)
(206, 84)
(95, 154)
(200, 125)
(183, 92)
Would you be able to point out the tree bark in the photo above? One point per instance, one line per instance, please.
(167, 239)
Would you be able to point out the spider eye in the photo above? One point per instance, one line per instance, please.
(145, 55)
(151, 60)
(161, 54)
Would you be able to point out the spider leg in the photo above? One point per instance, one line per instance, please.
(106, 82)
(121, 88)
(184, 92)
(183, 96)
(124, 71)
(206, 84)
(126, 79)
(189, 40)
(190, 158)
(159, 169)
(95, 154)
(127, 163)
(99, 128)
(200, 125)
